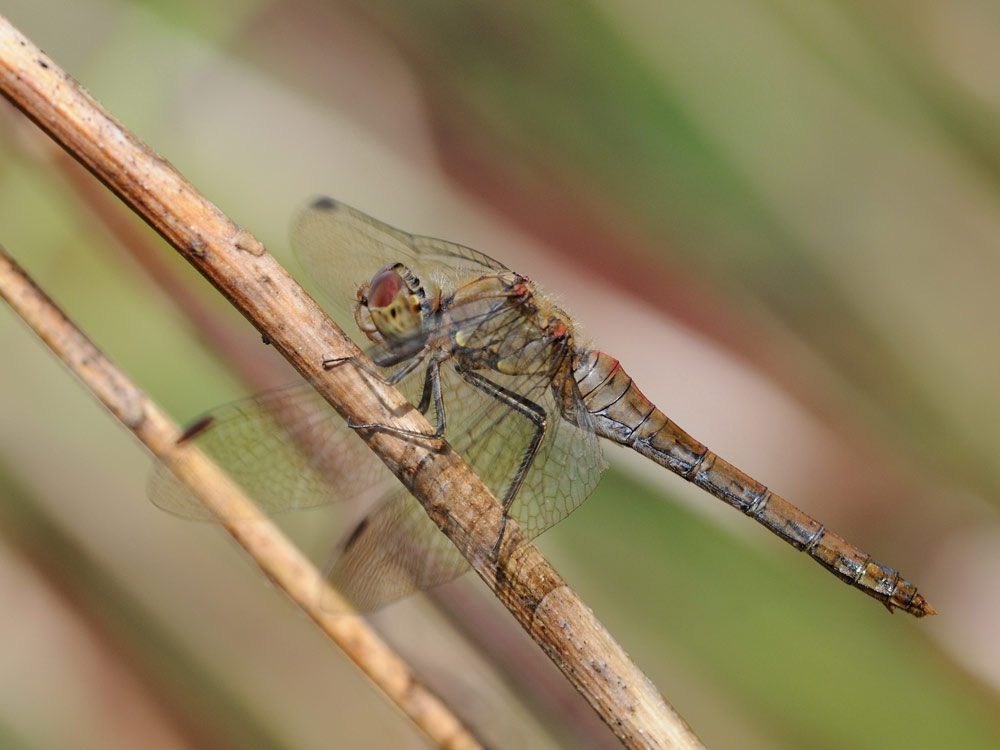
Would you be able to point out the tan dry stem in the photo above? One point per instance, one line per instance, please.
(271, 550)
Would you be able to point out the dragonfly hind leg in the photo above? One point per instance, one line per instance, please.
(526, 408)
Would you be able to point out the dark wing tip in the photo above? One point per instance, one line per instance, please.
(325, 203)
(355, 534)
(196, 429)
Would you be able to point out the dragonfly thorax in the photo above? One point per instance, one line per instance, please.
(393, 302)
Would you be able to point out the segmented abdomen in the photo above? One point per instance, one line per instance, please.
(621, 413)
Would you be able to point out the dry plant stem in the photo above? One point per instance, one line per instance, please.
(454, 497)
(272, 551)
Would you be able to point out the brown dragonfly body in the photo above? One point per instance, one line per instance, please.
(488, 356)
(539, 338)
(621, 413)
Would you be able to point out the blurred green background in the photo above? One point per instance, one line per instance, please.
(783, 218)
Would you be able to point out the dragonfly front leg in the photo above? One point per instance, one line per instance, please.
(526, 408)
(394, 379)
(432, 388)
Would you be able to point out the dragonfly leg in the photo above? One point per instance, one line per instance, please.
(396, 377)
(526, 408)
(432, 387)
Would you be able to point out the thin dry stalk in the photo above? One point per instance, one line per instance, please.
(274, 553)
(454, 497)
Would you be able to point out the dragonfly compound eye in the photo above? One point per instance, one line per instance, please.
(394, 310)
(384, 288)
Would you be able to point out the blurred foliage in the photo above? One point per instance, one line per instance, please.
(223, 718)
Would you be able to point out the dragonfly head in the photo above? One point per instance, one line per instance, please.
(394, 304)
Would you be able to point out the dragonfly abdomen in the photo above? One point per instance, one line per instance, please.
(621, 413)
(840, 557)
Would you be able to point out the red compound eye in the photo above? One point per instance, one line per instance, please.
(384, 288)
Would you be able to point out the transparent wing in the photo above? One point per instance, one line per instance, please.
(397, 549)
(493, 439)
(343, 248)
(287, 449)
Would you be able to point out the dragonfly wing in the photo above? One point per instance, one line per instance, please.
(287, 449)
(566, 470)
(494, 439)
(287, 460)
(394, 551)
(428, 250)
(343, 248)
(397, 549)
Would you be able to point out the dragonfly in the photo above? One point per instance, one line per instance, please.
(493, 363)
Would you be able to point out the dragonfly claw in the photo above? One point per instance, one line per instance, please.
(436, 435)
(333, 362)
(503, 527)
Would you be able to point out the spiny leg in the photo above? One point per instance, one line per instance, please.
(396, 377)
(432, 387)
(526, 408)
